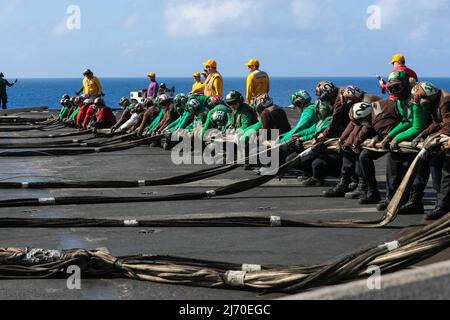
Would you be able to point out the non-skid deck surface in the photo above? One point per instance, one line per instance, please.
(240, 245)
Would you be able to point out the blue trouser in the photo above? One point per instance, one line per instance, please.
(444, 195)
(433, 166)
(3, 101)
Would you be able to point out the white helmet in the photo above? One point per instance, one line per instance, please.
(88, 101)
(360, 111)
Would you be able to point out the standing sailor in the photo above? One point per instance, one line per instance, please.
(198, 88)
(91, 85)
(153, 88)
(3, 96)
(258, 82)
(399, 63)
(214, 82)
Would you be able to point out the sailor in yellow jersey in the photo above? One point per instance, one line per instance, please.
(91, 85)
(198, 88)
(258, 82)
(214, 82)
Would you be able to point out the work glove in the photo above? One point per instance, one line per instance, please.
(386, 142)
(416, 141)
(374, 141)
(394, 145)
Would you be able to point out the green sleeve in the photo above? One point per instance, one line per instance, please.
(186, 120)
(308, 119)
(311, 131)
(63, 113)
(401, 127)
(251, 130)
(420, 121)
(247, 120)
(173, 126)
(155, 122)
(315, 130)
(208, 123)
(74, 115)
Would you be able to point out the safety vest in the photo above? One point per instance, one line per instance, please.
(211, 87)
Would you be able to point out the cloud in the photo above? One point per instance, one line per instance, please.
(307, 12)
(207, 18)
(416, 19)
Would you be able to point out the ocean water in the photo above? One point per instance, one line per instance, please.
(48, 92)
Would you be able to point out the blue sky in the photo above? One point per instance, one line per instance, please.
(172, 37)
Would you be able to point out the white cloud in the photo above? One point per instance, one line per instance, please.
(206, 17)
(415, 18)
(306, 12)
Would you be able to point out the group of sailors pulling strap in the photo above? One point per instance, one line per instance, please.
(413, 112)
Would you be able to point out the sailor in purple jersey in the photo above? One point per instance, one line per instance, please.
(153, 88)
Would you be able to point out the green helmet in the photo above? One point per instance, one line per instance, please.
(398, 82)
(180, 100)
(220, 118)
(398, 76)
(301, 96)
(194, 106)
(234, 97)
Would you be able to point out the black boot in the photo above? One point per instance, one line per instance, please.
(382, 206)
(372, 197)
(360, 192)
(437, 214)
(312, 182)
(339, 191)
(414, 206)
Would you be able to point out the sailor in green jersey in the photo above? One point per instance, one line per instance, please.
(218, 119)
(181, 123)
(64, 113)
(65, 106)
(186, 117)
(301, 100)
(322, 165)
(199, 109)
(324, 113)
(436, 101)
(71, 120)
(162, 104)
(415, 119)
(243, 116)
